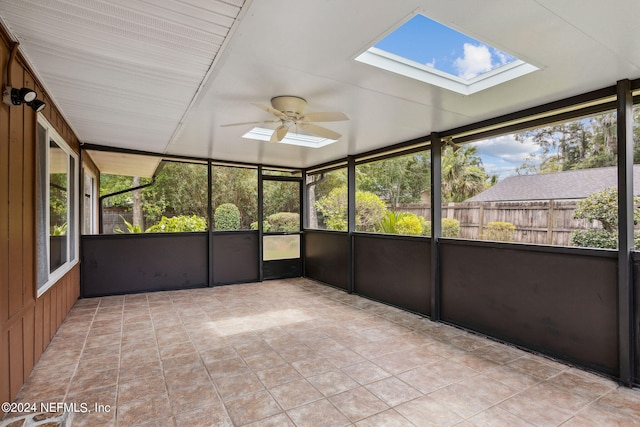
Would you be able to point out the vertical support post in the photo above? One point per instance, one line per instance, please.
(210, 278)
(260, 223)
(304, 202)
(625, 231)
(351, 218)
(304, 219)
(436, 223)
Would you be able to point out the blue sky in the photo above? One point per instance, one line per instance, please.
(429, 43)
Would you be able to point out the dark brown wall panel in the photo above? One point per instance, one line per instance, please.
(636, 313)
(235, 257)
(129, 263)
(394, 269)
(557, 301)
(327, 257)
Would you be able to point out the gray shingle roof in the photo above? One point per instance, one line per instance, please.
(575, 184)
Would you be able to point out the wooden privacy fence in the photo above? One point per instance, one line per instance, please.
(541, 222)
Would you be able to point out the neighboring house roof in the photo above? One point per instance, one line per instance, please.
(576, 184)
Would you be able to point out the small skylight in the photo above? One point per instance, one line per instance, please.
(428, 51)
(263, 134)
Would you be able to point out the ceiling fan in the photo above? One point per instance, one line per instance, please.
(289, 112)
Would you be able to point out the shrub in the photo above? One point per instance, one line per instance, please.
(401, 223)
(388, 222)
(130, 227)
(597, 238)
(500, 231)
(179, 224)
(265, 226)
(601, 206)
(370, 210)
(426, 227)
(594, 238)
(409, 224)
(284, 222)
(227, 217)
(450, 227)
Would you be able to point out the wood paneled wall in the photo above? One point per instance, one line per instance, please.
(27, 323)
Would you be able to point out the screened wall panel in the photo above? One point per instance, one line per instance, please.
(636, 314)
(327, 257)
(562, 303)
(394, 270)
(122, 264)
(235, 257)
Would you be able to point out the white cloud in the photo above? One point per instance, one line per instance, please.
(502, 57)
(475, 60)
(431, 64)
(503, 154)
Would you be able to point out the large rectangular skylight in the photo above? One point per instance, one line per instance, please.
(426, 50)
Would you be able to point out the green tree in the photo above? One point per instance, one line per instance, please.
(281, 196)
(320, 185)
(463, 174)
(180, 189)
(396, 180)
(579, 144)
(238, 186)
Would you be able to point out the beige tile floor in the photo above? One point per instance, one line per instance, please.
(298, 353)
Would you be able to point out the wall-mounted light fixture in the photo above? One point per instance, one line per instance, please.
(36, 105)
(15, 96)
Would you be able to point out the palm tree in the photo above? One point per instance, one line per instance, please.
(463, 175)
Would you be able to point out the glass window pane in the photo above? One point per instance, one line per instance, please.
(392, 195)
(281, 247)
(88, 203)
(327, 193)
(554, 185)
(234, 196)
(71, 208)
(58, 206)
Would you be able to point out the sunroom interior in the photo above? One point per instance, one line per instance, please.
(219, 100)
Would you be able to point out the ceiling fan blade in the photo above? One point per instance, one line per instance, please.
(320, 131)
(279, 134)
(249, 123)
(279, 114)
(325, 117)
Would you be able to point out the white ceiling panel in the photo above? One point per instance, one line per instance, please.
(164, 75)
(124, 72)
